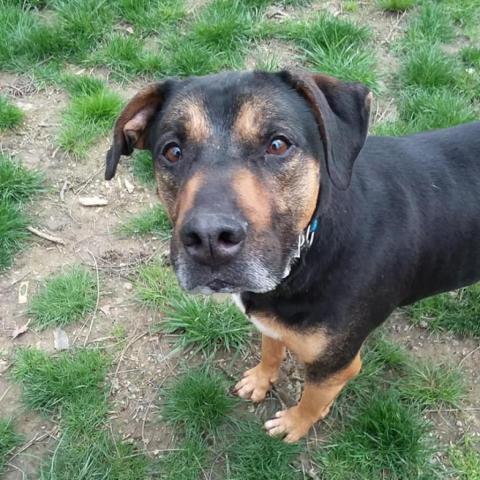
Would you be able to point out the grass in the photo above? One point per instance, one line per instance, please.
(257, 456)
(142, 167)
(465, 457)
(424, 109)
(9, 439)
(384, 437)
(185, 462)
(333, 46)
(13, 233)
(197, 402)
(17, 183)
(457, 312)
(396, 5)
(202, 323)
(10, 115)
(434, 385)
(427, 66)
(89, 114)
(151, 17)
(152, 221)
(64, 298)
(17, 186)
(72, 386)
(126, 57)
(432, 24)
(51, 383)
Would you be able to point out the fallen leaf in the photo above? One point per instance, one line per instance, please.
(20, 330)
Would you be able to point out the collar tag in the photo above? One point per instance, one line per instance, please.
(306, 238)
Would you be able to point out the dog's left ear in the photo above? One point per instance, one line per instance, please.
(132, 124)
(342, 112)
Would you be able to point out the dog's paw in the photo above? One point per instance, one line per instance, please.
(255, 384)
(289, 423)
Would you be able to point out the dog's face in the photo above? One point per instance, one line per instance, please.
(238, 159)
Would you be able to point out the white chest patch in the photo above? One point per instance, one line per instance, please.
(265, 329)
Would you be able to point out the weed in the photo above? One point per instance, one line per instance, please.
(257, 456)
(142, 165)
(13, 233)
(197, 401)
(64, 298)
(51, 383)
(425, 109)
(427, 66)
(382, 435)
(8, 441)
(396, 5)
(433, 385)
(456, 312)
(153, 221)
(17, 183)
(10, 115)
(186, 462)
(465, 458)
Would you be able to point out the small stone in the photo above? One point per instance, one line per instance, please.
(423, 324)
(128, 286)
(459, 423)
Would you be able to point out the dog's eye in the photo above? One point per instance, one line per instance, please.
(172, 152)
(278, 146)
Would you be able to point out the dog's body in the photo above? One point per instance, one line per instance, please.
(407, 226)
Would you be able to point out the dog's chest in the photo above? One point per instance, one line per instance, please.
(264, 327)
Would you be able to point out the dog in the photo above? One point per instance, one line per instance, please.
(277, 196)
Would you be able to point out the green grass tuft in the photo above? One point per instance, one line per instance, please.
(17, 183)
(201, 322)
(396, 5)
(186, 463)
(426, 109)
(125, 57)
(142, 167)
(207, 324)
(465, 458)
(471, 56)
(88, 116)
(427, 66)
(383, 436)
(51, 383)
(333, 46)
(255, 455)
(10, 115)
(95, 457)
(64, 298)
(432, 24)
(433, 385)
(197, 401)
(153, 221)
(13, 233)
(457, 312)
(151, 16)
(82, 85)
(8, 441)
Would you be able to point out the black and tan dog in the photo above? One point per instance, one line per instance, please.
(278, 196)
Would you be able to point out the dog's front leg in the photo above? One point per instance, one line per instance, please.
(315, 403)
(257, 381)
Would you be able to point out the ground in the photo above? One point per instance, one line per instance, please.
(126, 326)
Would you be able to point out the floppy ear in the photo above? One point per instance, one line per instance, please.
(342, 111)
(131, 125)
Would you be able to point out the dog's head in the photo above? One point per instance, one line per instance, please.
(240, 160)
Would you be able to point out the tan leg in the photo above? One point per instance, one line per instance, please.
(257, 381)
(314, 405)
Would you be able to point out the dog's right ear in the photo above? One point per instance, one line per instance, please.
(132, 124)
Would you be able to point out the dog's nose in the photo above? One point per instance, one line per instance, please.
(213, 239)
